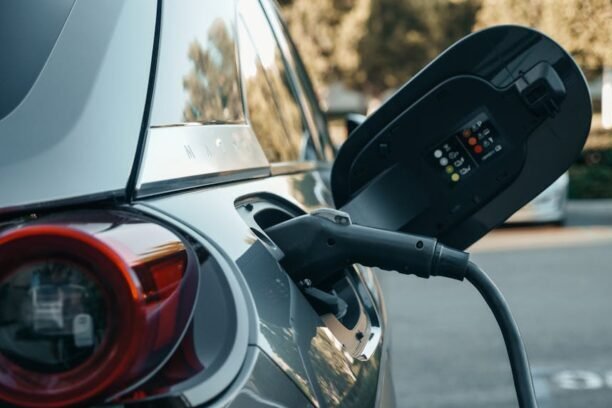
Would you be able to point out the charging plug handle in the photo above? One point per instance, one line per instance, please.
(326, 241)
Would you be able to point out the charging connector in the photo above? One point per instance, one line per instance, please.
(326, 241)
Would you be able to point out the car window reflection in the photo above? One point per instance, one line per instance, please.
(212, 84)
(197, 78)
(263, 106)
(270, 93)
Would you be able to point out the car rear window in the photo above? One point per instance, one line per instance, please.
(28, 32)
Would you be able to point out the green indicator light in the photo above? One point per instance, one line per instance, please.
(450, 169)
(455, 177)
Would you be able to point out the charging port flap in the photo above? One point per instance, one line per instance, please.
(468, 141)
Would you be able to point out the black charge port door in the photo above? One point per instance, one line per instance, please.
(469, 140)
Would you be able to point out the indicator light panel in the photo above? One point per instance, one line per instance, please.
(463, 152)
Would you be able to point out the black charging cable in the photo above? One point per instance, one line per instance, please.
(519, 362)
(326, 241)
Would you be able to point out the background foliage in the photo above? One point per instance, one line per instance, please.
(374, 46)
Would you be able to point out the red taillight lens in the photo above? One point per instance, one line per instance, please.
(52, 315)
(89, 309)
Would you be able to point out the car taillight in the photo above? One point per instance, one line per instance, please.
(89, 306)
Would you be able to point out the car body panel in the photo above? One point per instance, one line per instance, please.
(39, 26)
(288, 331)
(268, 386)
(76, 132)
(179, 157)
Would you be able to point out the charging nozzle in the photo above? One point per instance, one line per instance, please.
(326, 241)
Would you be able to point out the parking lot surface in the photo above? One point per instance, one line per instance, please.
(447, 349)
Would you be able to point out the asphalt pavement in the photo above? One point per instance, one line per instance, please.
(447, 348)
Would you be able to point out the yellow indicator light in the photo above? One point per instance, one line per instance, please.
(450, 169)
(455, 177)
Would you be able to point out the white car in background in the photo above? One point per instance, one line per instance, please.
(548, 207)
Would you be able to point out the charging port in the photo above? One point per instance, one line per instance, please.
(342, 300)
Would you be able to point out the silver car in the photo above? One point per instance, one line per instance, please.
(145, 146)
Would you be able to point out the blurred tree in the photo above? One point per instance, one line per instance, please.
(450, 20)
(403, 36)
(583, 27)
(396, 45)
(374, 45)
(326, 33)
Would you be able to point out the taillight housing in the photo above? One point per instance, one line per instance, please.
(90, 306)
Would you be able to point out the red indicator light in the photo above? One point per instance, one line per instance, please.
(478, 149)
(466, 133)
(472, 141)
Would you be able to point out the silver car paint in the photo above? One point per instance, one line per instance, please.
(76, 132)
(266, 387)
(177, 157)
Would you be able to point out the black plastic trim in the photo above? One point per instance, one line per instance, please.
(146, 118)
